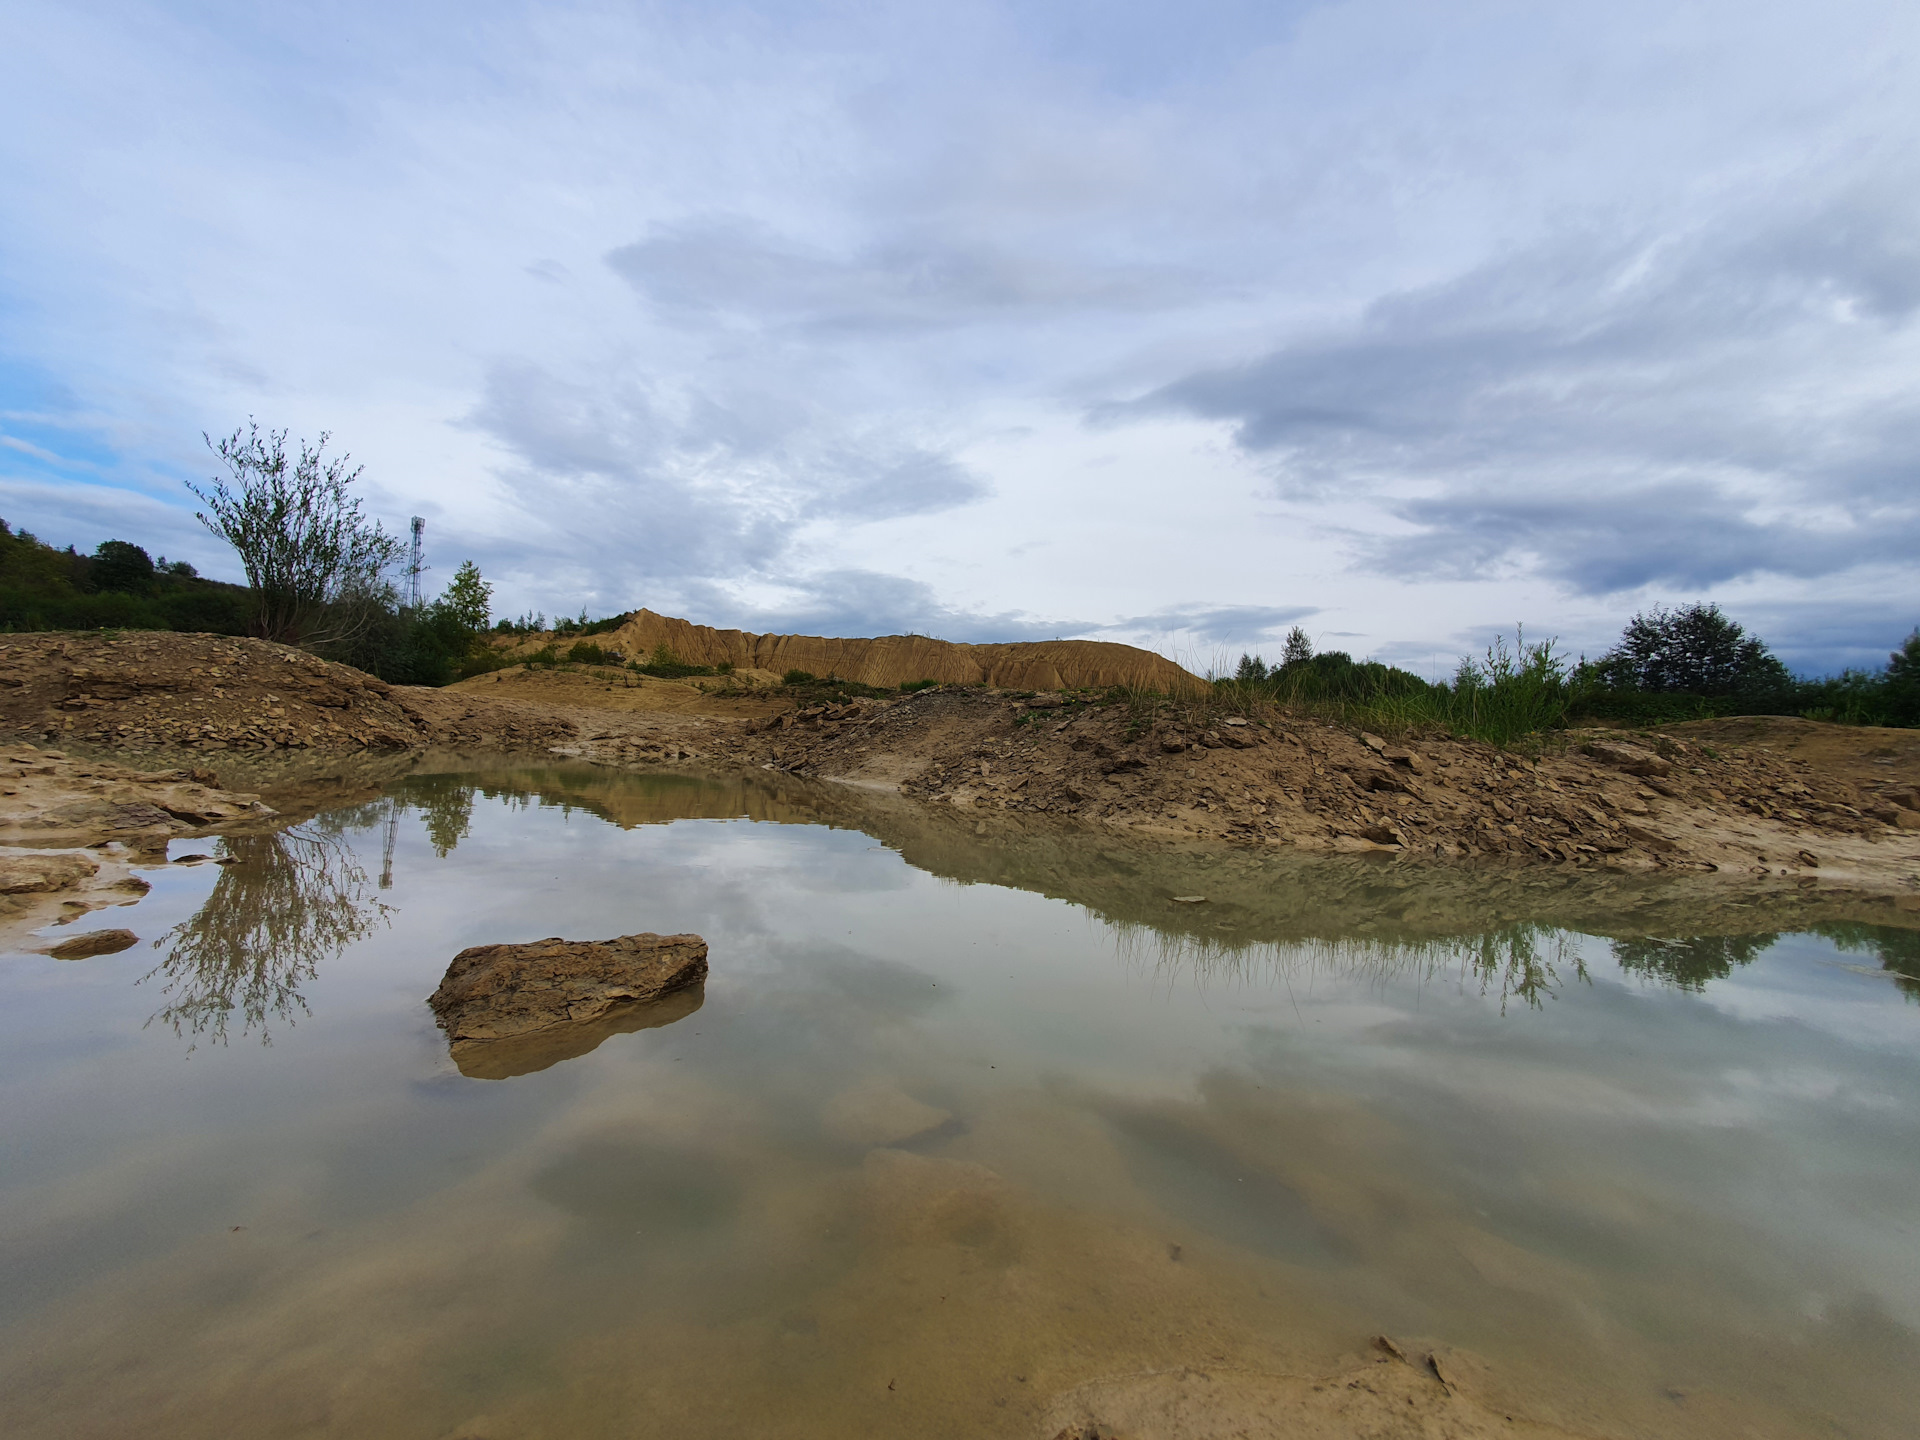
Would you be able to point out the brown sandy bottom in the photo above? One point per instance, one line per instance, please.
(851, 1223)
(628, 1274)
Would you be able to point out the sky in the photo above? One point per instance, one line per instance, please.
(1404, 322)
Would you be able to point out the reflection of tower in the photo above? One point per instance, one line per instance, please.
(386, 854)
(419, 524)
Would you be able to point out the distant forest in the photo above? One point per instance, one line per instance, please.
(118, 587)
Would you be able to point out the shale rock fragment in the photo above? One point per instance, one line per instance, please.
(498, 992)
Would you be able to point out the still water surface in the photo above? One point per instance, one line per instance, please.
(926, 1154)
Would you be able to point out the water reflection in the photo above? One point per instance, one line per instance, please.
(284, 904)
(1527, 963)
(295, 900)
(1271, 914)
(1689, 962)
(445, 805)
(542, 1049)
(1898, 951)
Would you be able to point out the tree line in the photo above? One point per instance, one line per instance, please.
(1689, 663)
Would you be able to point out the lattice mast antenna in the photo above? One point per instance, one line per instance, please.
(419, 525)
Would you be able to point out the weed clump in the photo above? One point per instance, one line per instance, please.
(663, 664)
(830, 689)
(909, 687)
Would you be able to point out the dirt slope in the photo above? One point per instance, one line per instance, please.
(1779, 798)
(148, 690)
(1602, 800)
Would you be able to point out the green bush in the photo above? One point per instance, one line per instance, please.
(116, 587)
(663, 664)
(909, 686)
(797, 677)
(585, 652)
(601, 627)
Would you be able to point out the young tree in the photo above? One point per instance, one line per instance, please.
(1299, 649)
(123, 566)
(1697, 650)
(1902, 683)
(316, 564)
(1252, 668)
(468, 601)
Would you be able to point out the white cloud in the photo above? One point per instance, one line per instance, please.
(1517, 312)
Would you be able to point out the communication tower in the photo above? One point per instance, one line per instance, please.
(413, 564)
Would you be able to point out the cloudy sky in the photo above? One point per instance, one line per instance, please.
(1175, 324)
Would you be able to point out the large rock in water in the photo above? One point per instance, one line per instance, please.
(496, 993)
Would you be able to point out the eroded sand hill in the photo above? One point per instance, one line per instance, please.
(893, 660)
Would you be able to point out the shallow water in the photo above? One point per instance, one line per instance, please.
(940, 1140)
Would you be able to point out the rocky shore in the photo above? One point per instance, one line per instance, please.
(1588, 799)
(1783, 799)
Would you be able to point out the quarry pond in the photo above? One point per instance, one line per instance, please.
(973, 1130)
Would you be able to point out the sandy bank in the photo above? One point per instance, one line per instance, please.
(1787, 799)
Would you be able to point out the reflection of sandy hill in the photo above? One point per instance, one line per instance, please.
(899, 659)
(1253, 895)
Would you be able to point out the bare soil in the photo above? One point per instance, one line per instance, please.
(1603, 798)
(1759, 797)
(110, 820)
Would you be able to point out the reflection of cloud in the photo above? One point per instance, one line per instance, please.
(290, 902)
(1531, 963)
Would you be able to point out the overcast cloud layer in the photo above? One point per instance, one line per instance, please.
(1177, 325)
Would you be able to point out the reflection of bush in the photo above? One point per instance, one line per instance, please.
(446, 808)
(292, 901)
(1898, 951)
(1689, 963)
(1525, 962)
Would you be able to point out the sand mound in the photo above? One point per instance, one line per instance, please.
(893, 660)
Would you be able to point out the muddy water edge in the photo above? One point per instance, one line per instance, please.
(981, 1127)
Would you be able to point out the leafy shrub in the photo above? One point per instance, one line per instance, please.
(910, 686)
(601, 627)
(797, 677)
(663, 664)
(585, 652)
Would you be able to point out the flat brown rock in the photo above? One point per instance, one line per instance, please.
(497, 992)
(94, 942)
(27, 873)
